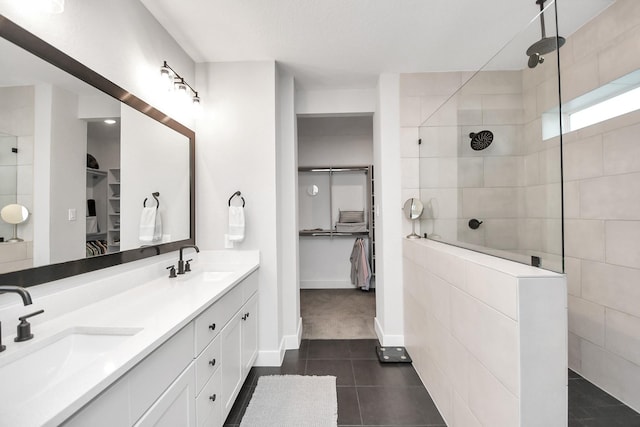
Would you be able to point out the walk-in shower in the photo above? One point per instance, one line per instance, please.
(485, 162)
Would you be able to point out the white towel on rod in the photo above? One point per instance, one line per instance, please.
(150, 224)
(236, 224)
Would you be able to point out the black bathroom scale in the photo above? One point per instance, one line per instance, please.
(393, 355)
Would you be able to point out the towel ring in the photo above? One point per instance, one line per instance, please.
(239, 194)
(155, 196)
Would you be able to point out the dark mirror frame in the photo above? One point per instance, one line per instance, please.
(38, 275)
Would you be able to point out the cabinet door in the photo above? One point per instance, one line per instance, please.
(231, 362)
(176, 406)
(249, 333)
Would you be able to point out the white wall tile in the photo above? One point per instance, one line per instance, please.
(583, 159)
(435, 105)
(494, 288)
(621, 57)
(575, 352)
(409, 111)
(572, 268)
(586, 319)
(611, 372)
(491, 403)
(531, 169)
(503, 171)
(621, 150)
(409, 142)
(494, 344)
(470, 171)
(580, 78)
(439, 173)
(462, 415)
(439, 141)
(612, 286)
(622, 246)
(584, 239)
(436, 295)
(571, 198)
(501, 233)
(543, 350)
(440, 203)
(622, 335)
(490, 202)
(610, 197)
(410, 173)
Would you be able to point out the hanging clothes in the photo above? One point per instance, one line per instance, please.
(360, 269)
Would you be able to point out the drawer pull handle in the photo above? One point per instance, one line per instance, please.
(212, 326)
(212, 362)
(212, 397)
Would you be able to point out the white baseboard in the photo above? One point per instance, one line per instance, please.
(292, 342)
(270, 357)
(326, 284)
(387, 340)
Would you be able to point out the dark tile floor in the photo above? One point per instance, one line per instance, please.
(589, 406)
(371, 393)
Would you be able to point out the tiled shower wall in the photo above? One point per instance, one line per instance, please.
(601, 196)
(602, 210)
(17, 119)
(510, 185)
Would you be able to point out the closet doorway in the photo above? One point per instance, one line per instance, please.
(336, 249)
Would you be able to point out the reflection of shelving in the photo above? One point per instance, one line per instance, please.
(113, 230)
(96, 184)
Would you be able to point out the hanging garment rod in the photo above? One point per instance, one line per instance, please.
(334, 169)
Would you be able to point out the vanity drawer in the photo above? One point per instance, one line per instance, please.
(208, 403)
(249, 286)
(207, 363)
(213, 319)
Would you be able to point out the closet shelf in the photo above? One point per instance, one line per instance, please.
(331, 233)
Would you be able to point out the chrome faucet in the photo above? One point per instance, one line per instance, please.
(181, 269)
(26, 297)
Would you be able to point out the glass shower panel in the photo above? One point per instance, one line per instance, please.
(490, 157)
(8, 178)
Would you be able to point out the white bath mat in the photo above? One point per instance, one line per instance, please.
(293, 401)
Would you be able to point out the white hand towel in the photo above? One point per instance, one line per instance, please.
(157, 230)
(148, 224)
(236, 223)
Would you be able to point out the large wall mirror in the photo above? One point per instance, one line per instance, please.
(105, 178)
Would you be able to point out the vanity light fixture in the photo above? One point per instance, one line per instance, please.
(110, 121)
(174, 81)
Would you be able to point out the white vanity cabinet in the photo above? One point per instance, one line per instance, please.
(239, 345)
(193, 378)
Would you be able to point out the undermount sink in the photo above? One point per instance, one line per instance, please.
(54, 359)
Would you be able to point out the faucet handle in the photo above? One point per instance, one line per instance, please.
(172, 271)
(24, 328)
(187, 266)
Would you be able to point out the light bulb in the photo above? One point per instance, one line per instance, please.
(166, 76)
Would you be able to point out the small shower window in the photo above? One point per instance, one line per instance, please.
(605, 110)
(613, 99)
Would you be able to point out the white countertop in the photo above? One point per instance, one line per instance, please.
(160, 308)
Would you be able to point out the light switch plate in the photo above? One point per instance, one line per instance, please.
(72, 214)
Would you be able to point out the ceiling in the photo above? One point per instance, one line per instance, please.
(347, 43)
